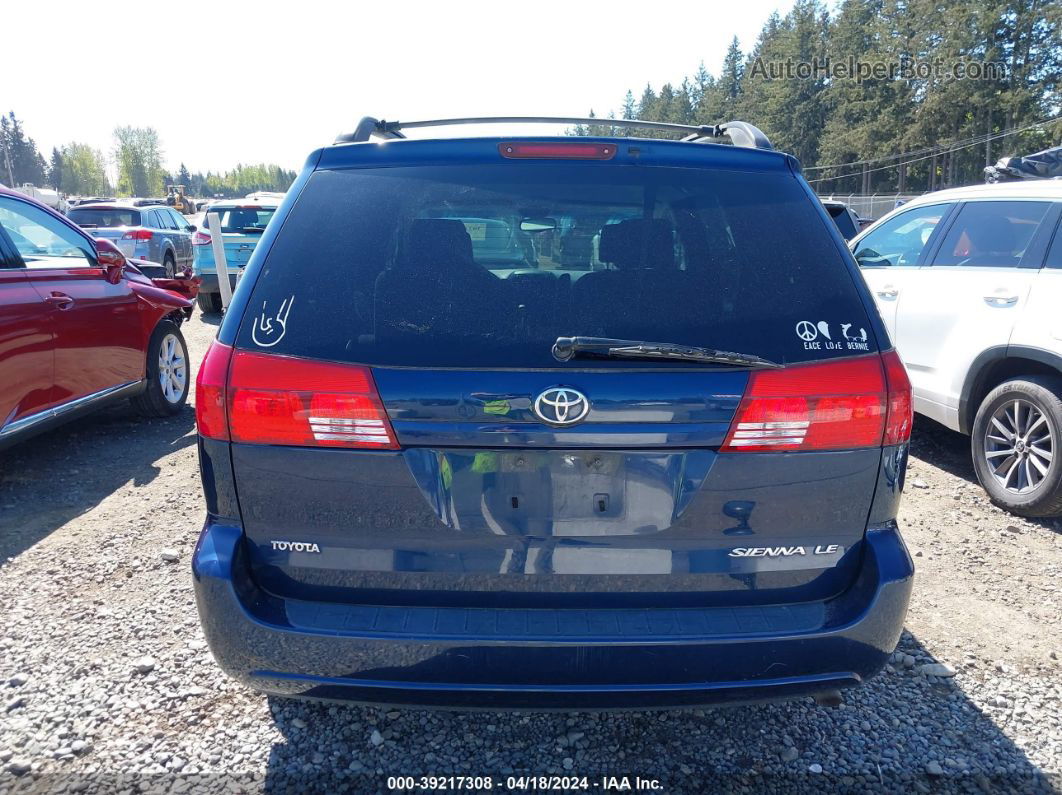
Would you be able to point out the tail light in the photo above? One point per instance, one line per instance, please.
(138, 234)
(200, 239)
(900, 416)
(838, 405)
(283, 400)
(210, 414)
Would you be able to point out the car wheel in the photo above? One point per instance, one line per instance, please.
(170, 265)
(168, 373)
(1015, 445)
(209, 303)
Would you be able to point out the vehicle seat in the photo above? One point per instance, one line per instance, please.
(434, 285)
(644, 276)
(576, 249)
(992, 242)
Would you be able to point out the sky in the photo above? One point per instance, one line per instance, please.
(228, 82)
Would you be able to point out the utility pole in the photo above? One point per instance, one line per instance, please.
(988, 139)
(7, 162)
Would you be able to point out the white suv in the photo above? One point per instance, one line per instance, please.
(969, 283)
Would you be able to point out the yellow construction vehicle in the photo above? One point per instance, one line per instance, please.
(176, 198)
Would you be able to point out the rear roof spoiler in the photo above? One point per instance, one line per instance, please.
(740, 133)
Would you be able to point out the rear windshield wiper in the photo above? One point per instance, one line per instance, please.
(566, 348)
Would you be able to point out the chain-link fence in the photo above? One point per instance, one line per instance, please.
(873, 206)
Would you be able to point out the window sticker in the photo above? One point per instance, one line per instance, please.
(476, 231)
(819, 337)
(269, 330)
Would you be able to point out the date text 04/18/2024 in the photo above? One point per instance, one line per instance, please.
(524, 783)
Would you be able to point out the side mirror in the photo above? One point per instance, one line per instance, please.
(110, 257)
(191, 228)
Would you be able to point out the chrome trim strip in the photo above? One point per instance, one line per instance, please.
(56, 412)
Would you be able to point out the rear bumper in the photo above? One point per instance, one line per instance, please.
(548, 659)
(210, 281)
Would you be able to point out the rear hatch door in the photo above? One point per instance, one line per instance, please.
(109, 222)
(241, 229)
(493, 496)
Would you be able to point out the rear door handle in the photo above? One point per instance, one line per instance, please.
(60, 300)
(888, 292)
(1001, 300)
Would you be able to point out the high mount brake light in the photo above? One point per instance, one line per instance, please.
(557, 151)
(838, 405)
(284, 400)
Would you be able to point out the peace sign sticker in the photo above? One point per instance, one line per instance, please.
(806, 330)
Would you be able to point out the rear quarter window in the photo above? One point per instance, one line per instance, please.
(485, 266)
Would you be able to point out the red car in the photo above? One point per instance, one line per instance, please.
(81, 325)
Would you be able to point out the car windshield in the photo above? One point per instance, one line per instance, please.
(241, 220)
(104, 217)
(489, 265)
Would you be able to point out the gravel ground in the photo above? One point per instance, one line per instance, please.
(106, 683)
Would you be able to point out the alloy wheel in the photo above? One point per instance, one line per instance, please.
(1019, 446)
(173, 369)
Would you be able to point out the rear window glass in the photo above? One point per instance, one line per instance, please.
(486, 266)
(241, 220)
(104, 218)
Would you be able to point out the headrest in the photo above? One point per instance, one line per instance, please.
(638, 243)
(992, 235)
(239, 220)
(438, 241)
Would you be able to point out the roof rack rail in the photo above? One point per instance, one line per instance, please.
(740, 133)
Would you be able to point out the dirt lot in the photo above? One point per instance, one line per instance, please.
(106, 684)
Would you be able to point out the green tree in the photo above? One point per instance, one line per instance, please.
(647, 104)
(865, 118)
(241, 180)
(791, 109)
(884, 130)
(84, 171)
(664, 109)
(730, 82)
(55, 169)
(138, 154)
(702, 83)
(682, 105)
(19, 157)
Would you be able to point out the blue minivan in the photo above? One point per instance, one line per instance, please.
(552, 423)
